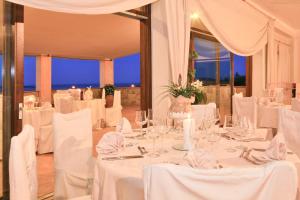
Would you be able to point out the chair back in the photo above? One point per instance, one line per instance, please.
(75, 93)
(199, 112)
(296, 105)
(46, 116)
(245, 107)
(274, 181)
(103, 93)
(117, 99)
(22, 166)
(289, 126)
(73, 142)
(63, 103)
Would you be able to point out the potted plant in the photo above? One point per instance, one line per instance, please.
(109, 95)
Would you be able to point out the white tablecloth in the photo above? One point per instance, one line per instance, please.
(268, 115)
(33, 118)
(123, 179)
(97, 107)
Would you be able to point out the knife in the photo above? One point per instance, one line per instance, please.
(123, 157)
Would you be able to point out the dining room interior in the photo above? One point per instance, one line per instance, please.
(148, 99)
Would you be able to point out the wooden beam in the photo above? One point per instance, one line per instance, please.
(249, 76)
(145, 51)
(231, 79)
(13, 80)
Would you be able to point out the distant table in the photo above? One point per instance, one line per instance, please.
(268, 115)
(97, 107)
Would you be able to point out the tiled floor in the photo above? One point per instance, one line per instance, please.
(45, 162)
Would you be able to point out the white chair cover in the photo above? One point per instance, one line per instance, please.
(72, 154)
(296, 105)
(114, 114)
(279, 95)
(274, 181)
(289, 126)
(75, 93)
(22, 166)
(29, 101)
(245, 107)
(200, 112)
(103, 93)
(45, 139)
(88, 94)
(63, 103)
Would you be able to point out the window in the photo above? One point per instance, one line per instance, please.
(127, 71)
(29, 73)
(239, 70)
(67, 72)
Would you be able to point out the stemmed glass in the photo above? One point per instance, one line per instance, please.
(228, 125)
(141, 119)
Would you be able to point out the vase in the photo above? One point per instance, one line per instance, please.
(181, 104)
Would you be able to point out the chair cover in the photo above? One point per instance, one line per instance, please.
(296, 105)
(279, 95)
(245, 107)
(75, 93)
(289, 126)
(88, 94)
(200, 112)
(63, 103)
(72, 154)
(22, 166)
(29, 101)
(103, 93)
(45, 139)
(114, 114)
(274, 181)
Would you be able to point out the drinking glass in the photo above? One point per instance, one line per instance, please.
(213, 137)
(162, 129)
(153, 135)
(228, 125)
(141, 119)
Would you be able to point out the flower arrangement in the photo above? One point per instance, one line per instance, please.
(109, 89)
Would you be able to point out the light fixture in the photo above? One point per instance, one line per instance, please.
(132, 85)
(195, 15)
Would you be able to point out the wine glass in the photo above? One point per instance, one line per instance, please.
(228, 125)
(141, 119)
(162, 129)
(153, 135)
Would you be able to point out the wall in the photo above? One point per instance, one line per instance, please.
(258, 73)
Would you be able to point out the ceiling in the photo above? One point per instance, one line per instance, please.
(287, 11)
(80, 36)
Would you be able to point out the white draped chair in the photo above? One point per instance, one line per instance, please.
(45, 139)
(73, 159)
(114, 114)
(245, 107)
(273, 181)
(22, 166)
(29, 101)
(296, 105)
(75, 93)
(200, 112)
(63, 103)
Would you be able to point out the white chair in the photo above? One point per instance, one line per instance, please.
(29, 101)
(63, 103)
(75, 93)
(199, 112)
(274, 181)
(279, 95)
(88, 94)
(45, 140)
(22, 166)
(73, 160)
(296, 105)
(245, 107)
(114, 114)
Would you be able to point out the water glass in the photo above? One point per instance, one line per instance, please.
(153, 135)
(140, 119)
(228, 125)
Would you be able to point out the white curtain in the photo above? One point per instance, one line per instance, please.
(85, 6)
(282, 63)
(178, 32)
(241, 28)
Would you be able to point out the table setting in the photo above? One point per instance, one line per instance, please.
(124, 153)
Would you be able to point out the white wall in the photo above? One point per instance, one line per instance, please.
(259, 73)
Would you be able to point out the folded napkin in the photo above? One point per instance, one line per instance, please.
(111, 142)
(201, 159)
(124, 126)
(277, 149)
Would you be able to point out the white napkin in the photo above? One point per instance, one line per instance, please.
(277, 149)
(201, 159)
(124, 126)
(111, 142)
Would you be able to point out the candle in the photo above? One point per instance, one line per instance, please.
(188, 130)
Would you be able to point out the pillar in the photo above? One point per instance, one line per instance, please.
(43, 77)
(106, 72)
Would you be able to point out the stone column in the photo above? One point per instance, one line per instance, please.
(106, 72)
(43, 77)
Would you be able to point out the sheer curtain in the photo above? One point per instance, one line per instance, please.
(85, 6)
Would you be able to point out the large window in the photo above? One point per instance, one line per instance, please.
(127, 71)
(67, 72)
(239, 70)
(29, 73)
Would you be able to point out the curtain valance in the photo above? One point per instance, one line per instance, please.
(84, 6)
(241, 28)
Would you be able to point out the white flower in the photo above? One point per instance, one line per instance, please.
(197, 84)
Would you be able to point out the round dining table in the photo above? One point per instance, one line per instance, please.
(122, 179)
